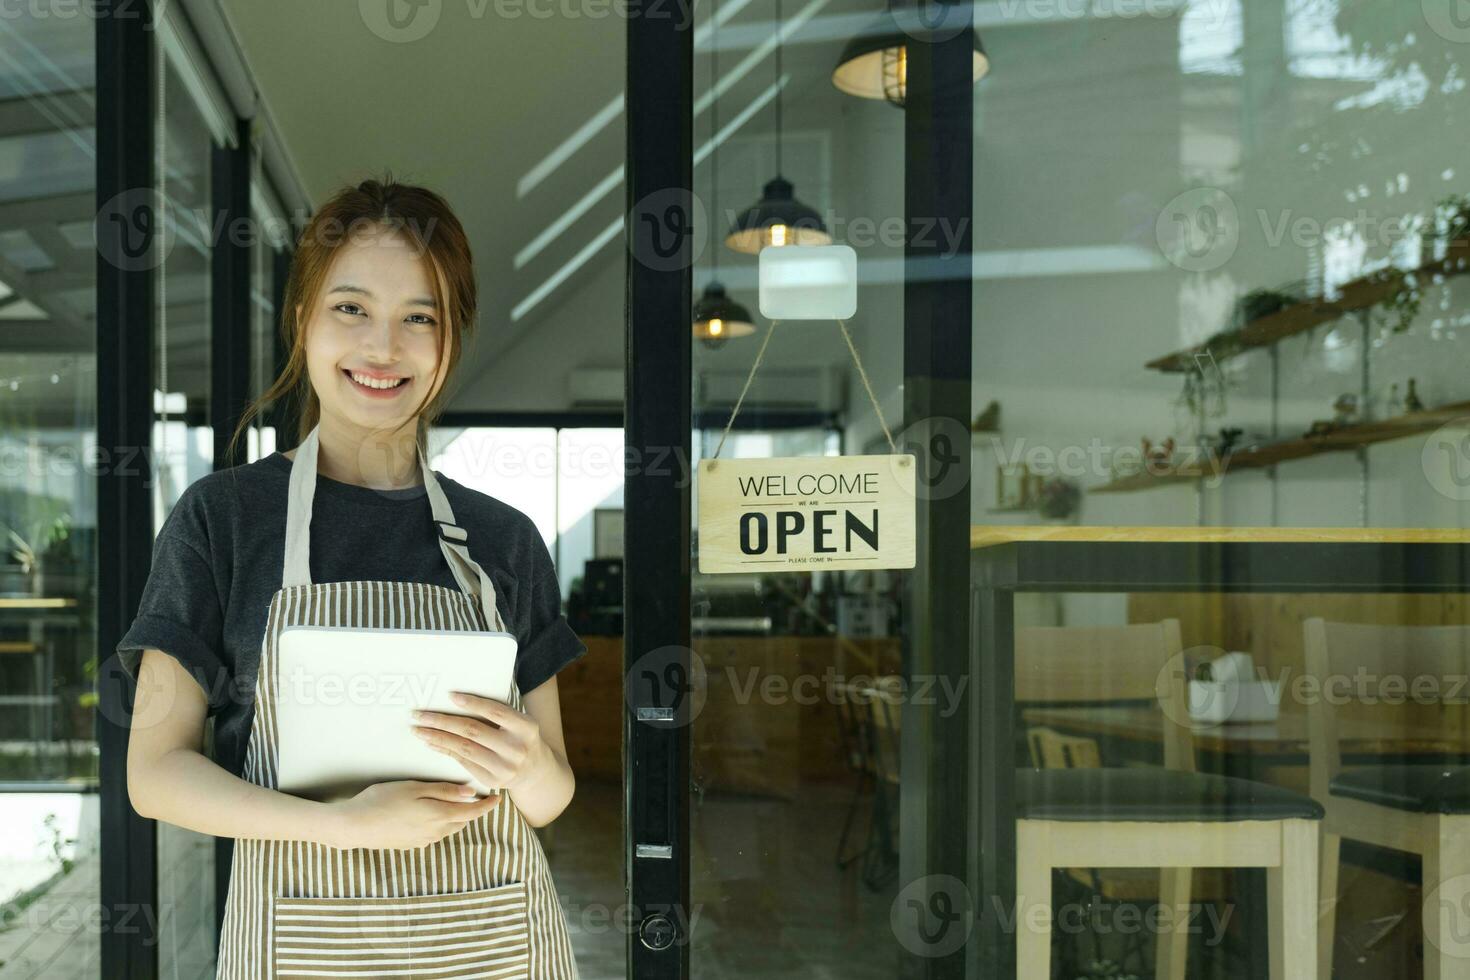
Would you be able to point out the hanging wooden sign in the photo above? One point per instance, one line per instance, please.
(803, 513)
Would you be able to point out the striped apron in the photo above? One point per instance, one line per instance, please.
(477, 903)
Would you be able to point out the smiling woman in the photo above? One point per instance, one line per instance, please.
(354, 306)
(353, 529)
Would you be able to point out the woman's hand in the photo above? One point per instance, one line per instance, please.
(499, 745)
(405, 813)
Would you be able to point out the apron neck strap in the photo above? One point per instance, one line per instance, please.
(452, 538)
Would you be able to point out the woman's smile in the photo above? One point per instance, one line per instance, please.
(373, 385)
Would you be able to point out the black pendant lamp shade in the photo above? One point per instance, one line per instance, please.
(874, 65)
(778, 218)
(717, 317)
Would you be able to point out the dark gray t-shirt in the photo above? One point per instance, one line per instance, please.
(218, 558)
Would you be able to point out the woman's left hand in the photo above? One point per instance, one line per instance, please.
(499, 746)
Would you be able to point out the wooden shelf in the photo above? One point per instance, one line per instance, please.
(1339, 440)
(1300, 317)
(988, 536)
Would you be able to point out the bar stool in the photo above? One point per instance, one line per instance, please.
(1172, 818)
(1417, 808)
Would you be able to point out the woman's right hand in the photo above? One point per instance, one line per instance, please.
(405, 813)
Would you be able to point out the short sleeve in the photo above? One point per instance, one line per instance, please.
(180, 612)
(545, 640)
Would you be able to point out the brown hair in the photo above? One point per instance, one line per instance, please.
(425, 220)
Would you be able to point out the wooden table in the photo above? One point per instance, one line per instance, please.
(1008, 560)
(1284, 737)
(43, 701)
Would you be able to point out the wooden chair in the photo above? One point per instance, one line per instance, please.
(1172, 818)
(1423, 809)
(1051, 749)
(868, 720)
(854, 736)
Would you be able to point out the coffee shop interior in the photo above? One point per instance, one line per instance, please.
(1219, 445)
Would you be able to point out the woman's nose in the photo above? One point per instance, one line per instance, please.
(384, 337)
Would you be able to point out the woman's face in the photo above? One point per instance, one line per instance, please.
(375, 324)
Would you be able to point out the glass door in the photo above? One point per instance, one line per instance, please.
(797, 636)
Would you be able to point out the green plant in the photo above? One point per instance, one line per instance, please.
(1058, 498)
(51, 538)
(1456, 209)
(58, 841)
(1106, 970)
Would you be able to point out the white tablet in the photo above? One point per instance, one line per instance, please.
(345, 698)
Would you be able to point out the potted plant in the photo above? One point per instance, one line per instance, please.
(1058, 498)
(59, 562)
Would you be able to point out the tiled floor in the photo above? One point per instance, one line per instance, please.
(768, 898)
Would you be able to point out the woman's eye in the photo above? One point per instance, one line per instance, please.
(425, 321)
(354, 306)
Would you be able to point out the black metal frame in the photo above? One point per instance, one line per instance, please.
(282, 415)
(936, 837)
(998, 572)
(126, 315)
(229, 351)
(533, 420)
(658, 389)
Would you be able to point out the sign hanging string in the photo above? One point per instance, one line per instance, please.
(760, 355)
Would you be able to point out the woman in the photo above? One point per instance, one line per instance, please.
(353, 528)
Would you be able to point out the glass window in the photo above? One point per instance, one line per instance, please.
(183, 445)
(270, 238)
(1220, 291)
(48, 510)
(789, 796)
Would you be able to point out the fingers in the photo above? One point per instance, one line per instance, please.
(465, 812)
(453, 792)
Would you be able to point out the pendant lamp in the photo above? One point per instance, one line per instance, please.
(717, 317)
(778, 218)
(874, 65)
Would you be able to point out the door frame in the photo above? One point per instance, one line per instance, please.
(939, 817)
